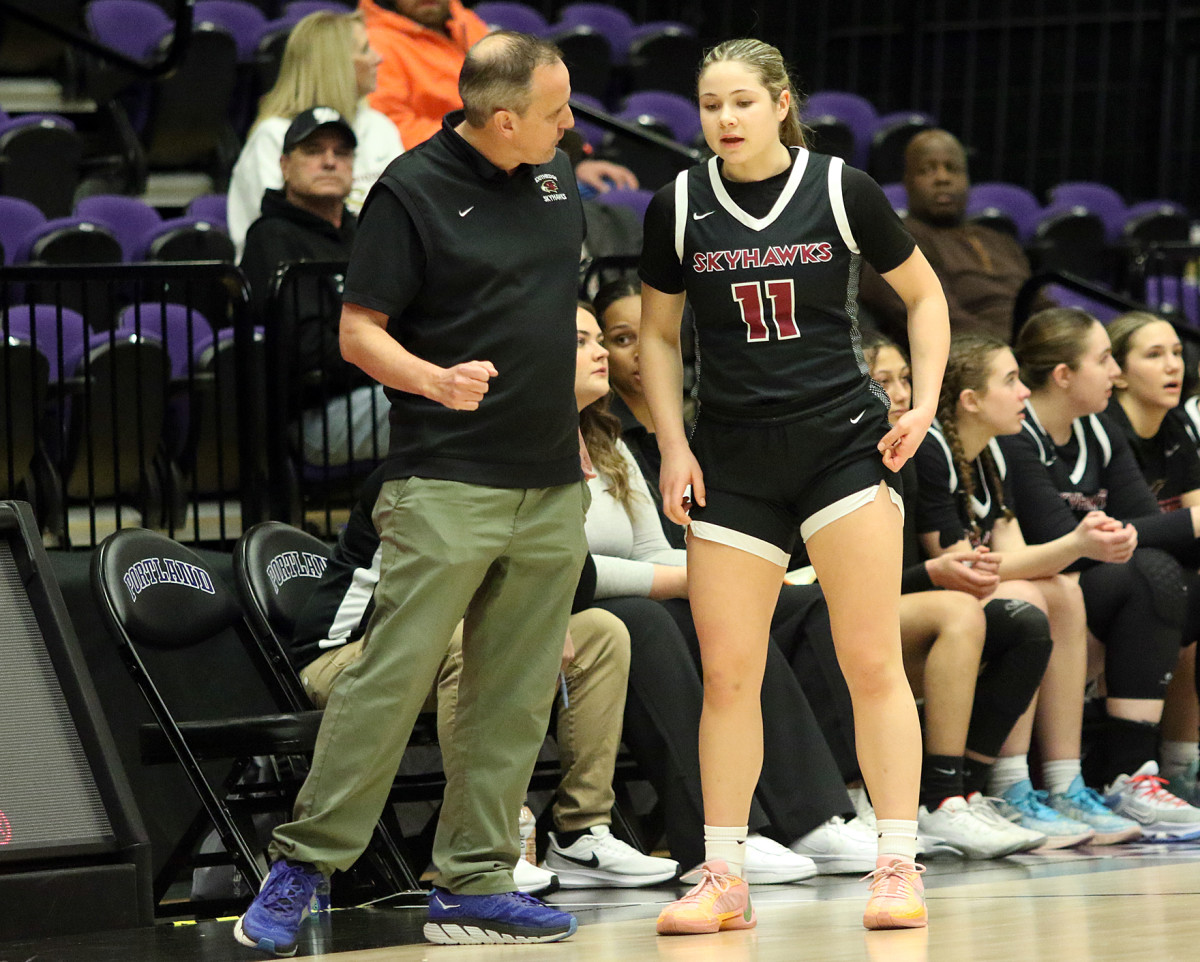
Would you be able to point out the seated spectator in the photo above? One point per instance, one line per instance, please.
(981, 269)
(423, 44)
(328, 60)
(307, 220)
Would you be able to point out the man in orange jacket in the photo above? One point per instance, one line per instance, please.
(423, 44)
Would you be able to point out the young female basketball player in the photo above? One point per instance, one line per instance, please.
(766, 241)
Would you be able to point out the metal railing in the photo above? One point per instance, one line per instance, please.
(127, 398)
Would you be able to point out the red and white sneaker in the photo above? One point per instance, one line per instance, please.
(1142, 797)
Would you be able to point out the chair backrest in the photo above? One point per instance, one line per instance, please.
(185, 333)
(588, 53)
(1096, 198)
(890, 139)
(854, 111)
(679, 113)
(187, 239)
(40, 156)
(1155, 221)
(18, 220)
(129, 218)
(605, 18)
(510, 15)
(1071, 239)
(59, 336)
(275, 568)
(132, 27)
(210, 207)
(244, 20)
(157, 593)
(70, 240)
(1016, 202)
(663, 56)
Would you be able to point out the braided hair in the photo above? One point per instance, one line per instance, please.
(967, 369)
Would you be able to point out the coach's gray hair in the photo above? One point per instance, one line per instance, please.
(498, 74)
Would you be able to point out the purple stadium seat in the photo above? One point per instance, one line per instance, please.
(612, 22)
(186, 239)
(129, 218)
(897, 196)
(510, 15)
(1175, 297)
(890, 139)
(1096, 198)
(1067, 297)
(40, 157)
(636, 200)
(69, 240)
(1016, 203)
(209, 207)
(55, 335)
(244, 20)
(184, 337)
(592, 133)
(299, 9)
(18, 219)
(662, 56)
(857, 113)
(675, 111)
(1156, 220)
(133, 27)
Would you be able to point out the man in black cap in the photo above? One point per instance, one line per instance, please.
(308, 220)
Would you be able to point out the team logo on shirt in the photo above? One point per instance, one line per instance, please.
(707, 262)
(1078, 501)
(549, 185)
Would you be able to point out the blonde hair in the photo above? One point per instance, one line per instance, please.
(766, 62)
(317, 69)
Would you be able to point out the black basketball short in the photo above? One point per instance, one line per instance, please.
(779, 471)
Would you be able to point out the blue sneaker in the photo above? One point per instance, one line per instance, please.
(288, 896)
(503, 917)
(1084, 804)
(1028, 808)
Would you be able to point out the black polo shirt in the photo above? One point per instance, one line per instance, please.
(472, 263)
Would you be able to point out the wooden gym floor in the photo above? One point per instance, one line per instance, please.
(1128, 903)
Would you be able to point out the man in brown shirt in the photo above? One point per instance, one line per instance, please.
(981, 269)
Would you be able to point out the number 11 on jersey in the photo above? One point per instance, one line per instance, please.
(751, 302)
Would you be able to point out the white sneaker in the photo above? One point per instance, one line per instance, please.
(968, 829)
(838, 847)
(599, 859)
(769, 863)
(985, 807)
(1141, 796)
(533, 880)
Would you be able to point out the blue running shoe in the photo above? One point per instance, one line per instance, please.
(288, 896)
(503, 917)
(1022, 804)
(1083, 804)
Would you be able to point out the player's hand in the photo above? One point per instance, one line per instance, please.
(679, 471)
(906, 435)
(1102, 538)
(463, 386)
(976, 572)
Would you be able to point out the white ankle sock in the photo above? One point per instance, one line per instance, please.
(1058, 775)
(898, 837)
(727, 843)
(1177, 756)
(1006, 772)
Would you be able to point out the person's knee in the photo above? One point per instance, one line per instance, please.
(960, 620)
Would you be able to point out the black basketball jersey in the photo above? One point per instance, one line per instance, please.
(775, 297)
(942, 505)
(1169, 461)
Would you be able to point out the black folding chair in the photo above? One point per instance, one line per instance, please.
(160, 599)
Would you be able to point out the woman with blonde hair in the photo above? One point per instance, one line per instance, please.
(328, 62)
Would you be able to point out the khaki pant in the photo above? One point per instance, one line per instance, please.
(589, 722)
(507, 557)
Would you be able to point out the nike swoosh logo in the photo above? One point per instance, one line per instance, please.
(1171, 450)
(592, 862)
(944, 771)
(702, 216)
(463, 213)
(855, 420)
(446, 905)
